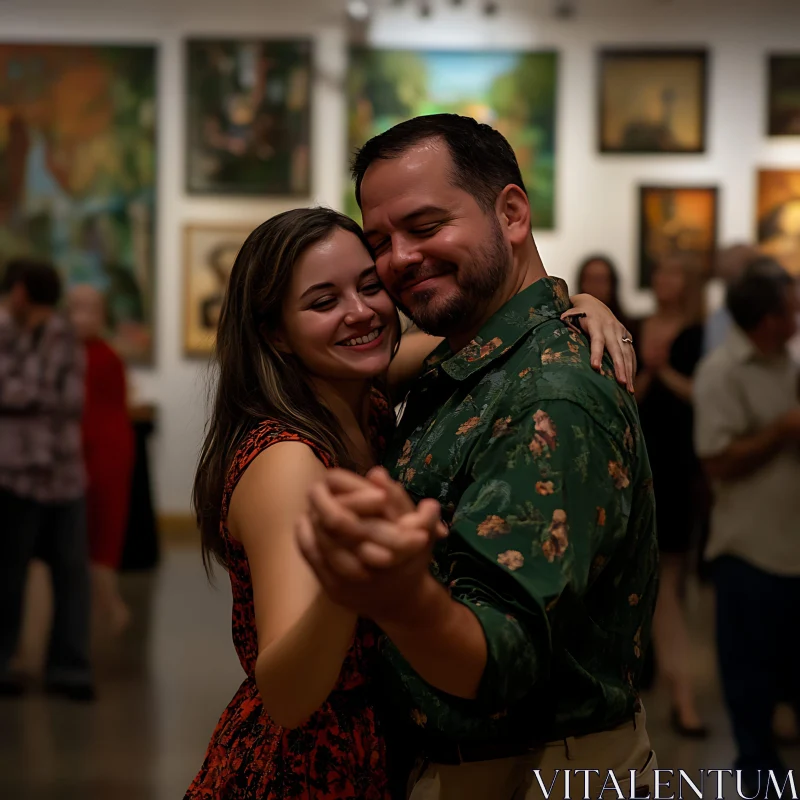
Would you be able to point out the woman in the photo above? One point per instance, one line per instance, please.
(108, 446)
(305, 340)
(669, 348)
(598, 277)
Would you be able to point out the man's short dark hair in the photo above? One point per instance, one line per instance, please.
(759, 292)
(483, 161)
(40, 279)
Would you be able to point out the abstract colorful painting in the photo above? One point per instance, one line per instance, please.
(77, 173)
(249, 117)
(514, 92)
(652, 101)
(676, 221)
(208, 255)
(778, 216)
(783, 112)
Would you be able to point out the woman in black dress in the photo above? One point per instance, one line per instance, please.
(669, 346)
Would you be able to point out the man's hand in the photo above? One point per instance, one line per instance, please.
(364, 560)
(375, 495)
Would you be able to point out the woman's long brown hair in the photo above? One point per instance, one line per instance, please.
(255, 381)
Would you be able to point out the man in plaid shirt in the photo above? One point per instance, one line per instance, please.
(42, 478)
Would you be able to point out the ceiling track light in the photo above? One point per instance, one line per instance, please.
(358, 10)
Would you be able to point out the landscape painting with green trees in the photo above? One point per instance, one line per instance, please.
(514, 92)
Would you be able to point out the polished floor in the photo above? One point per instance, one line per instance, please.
(161, 690)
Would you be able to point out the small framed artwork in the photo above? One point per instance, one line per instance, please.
(209, 252)
(248, 120)
(778, 216)
(783, 95)
(676, 221)
(652, 101)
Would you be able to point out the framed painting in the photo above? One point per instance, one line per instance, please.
(77, 173)
(209, 251)
(514, 92)
(248, 120)
(783, 95)
(652, 101)
(676, 221)
(778, 216)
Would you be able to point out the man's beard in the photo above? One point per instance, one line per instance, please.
(446, 317)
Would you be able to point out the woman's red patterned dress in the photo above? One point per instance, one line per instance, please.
(339, 753)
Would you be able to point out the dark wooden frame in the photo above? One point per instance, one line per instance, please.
(644, 272)
(608, 54)
(771, 58)
(230, 191)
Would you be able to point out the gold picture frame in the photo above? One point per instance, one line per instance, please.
(677, 221)
(652, 101)
(778, 216)
(209, 251)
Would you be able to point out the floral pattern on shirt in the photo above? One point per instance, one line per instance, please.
(544, 480)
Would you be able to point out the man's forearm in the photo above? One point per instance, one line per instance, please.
(746, 455)
(678, 384)
(442, 640)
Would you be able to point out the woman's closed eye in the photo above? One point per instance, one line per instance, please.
(323, 304)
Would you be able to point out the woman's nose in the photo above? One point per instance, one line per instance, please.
(358, 312)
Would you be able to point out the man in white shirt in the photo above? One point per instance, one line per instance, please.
(747, 433)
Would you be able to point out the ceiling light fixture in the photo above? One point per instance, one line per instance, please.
(358, 10)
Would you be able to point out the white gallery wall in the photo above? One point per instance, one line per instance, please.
(596, 196)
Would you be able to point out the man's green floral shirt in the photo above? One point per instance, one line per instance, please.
(540, 467)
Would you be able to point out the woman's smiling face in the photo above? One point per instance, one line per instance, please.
(338, 319)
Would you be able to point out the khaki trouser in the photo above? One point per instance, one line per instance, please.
(621, 750)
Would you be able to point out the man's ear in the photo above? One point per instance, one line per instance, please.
(514, 211)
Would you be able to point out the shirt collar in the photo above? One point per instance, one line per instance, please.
(739, 344)
(741, 347)
(546, 299)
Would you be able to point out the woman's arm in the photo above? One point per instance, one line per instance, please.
(415, 347)
(302, 636)
(685, 355)
(644, 381)
(678, 384)
(605, 332)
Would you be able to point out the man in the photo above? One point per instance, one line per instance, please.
(529, 628)
(747, 432)
(42, 475)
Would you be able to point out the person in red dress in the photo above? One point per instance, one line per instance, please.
(305, 331)
(108, 452)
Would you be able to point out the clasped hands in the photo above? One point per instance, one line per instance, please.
(369, 545)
